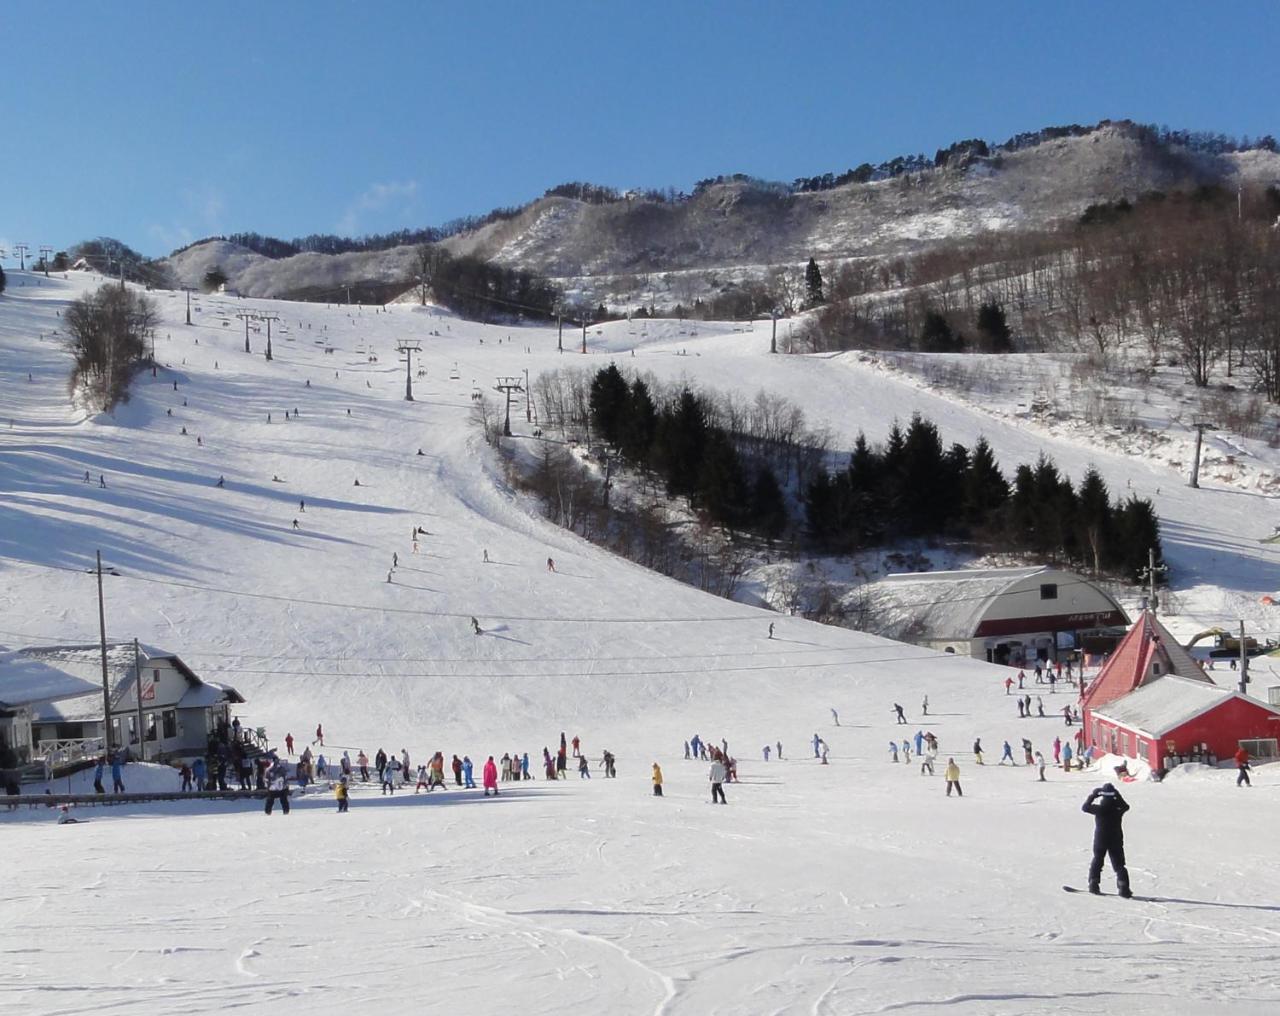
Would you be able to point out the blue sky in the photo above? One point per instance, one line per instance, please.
(141, 120)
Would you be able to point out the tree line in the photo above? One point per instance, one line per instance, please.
(911, 487)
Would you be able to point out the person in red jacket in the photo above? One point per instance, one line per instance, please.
(491, 777)
(1242, 768)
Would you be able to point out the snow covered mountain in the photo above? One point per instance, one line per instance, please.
(643, 250)
(849, 887)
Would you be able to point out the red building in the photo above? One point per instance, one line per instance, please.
(1152, 701)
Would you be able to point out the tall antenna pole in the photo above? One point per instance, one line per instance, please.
(106, 688)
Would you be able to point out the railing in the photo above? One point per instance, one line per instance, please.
(68, 749)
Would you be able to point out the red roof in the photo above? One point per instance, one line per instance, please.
(1148, 652)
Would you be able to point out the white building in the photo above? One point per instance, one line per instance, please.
(1008, 616)
(178, 710)
(27, 685)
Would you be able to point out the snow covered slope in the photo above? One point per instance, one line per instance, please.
(844, 888)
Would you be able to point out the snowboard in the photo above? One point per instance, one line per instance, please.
(1076, 889)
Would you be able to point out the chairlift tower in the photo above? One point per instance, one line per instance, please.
(268, 318)
(45, 251)
(246, 316)
(1200, 427)
(408, 347)
(21, 250)
(508, 385)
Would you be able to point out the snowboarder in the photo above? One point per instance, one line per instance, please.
(977, 750)
(1242, 767)
(490, 775)
(717, 777)
(952, 775)
(902, 717)
(1107, 807)
(277, 788)
(657, 780)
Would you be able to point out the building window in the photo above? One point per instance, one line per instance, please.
(170, 718)
(155, 677)
(1155, 669)
(132, 722)
(153, 730)
(1144, 752)
(1049, 591)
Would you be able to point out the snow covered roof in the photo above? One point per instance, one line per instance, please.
(1164, 705)
(209, 693)
(26, 681)
(1132, 664)
(971, 603)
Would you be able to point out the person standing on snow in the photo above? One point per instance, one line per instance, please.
(490, 777)
(902, 716)
(952, 775)
(1040, 765)
(893, 749)
(340, 792)
(278, 788)
(835, 717)
(1242, 768)
(577, 743)
(456, 765)
(717, 777)
(817, 741)
(924, 705)
(779, 747)
(362, 760)
(117, 774)
(766, 753)
(929, 756)
(657, 780)
(468, 783)
(1107, 808)
(584, 772)
(1008, 754)
(919, 740)
(97, 776)
(319, 736)
(977, 750)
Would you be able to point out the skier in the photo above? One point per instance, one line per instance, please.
(1040, 765)
(825, 749)
(893, 750)
(389, 777)
(102, 480)
(977, 750)
(1026, 752)
(1057, 750)
(835, 716)
(952, 775)
(467, 767)
(1008, 754)
(404, 763)
(657, 780)
(1107, 807)
(1039, 706)
(475, 625)
(295, 524)
(770, 623)
(524, 767)
(490, 777)
(319, 736)
(340, 792)
(1066, 756)
(583, 771)
(906, 751)
(576, 745)
(422, 780)
(456, 766)
(902, 717)
(277, 788)
(924, 705)
(687, 754)
(1242, 767)
(779, 747)
(486, 555)
(919, 739)
(766, 753)
(929, 756)
(551, 565)
(86, 476)
(222, 480)
(717, 777)
(1008, 685)
(816, 742)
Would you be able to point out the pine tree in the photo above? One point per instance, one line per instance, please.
(681, 439)
(994, 329)
(936, 335)
(1137, 532)
(1093, 520)
(920, 510)
(608, 404)
(722, 490)
(639, 425)
(768, 506)
(985, 488)
(813, 284)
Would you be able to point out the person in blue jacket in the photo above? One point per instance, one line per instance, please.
(199, 771)
(919, 742)
(97, 776)
(117, 775)
(467, 766)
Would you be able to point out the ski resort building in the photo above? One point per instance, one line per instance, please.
(25, 686)
(160, 708)
(1012, 616)
(1152, 701)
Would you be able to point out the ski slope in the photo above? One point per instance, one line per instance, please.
(849, 888)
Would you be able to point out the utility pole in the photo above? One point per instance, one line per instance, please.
(247, 316)
(507, 385)
(137, 694)
(528, 411)
(106, 687)
(408, 347)
(773, 339)
(1149, 576)
(21, 249)
(1244, 662)
(44, 258)
(268, 318)
(559, 333)
(188, 292)
(1200, 426)
(584, 334)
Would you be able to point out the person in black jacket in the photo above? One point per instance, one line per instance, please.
(1107, 808)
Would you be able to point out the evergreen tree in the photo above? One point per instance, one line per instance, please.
(936, 335)
(722, 489)
(768, 506)
(608, 404)
(214, 278)
(994, 329)
(819, 509)
(813, 284)
(985, 488)
(920, 510)
(1093, 520)
(639, 425)
(1137, 532)
(682, 437)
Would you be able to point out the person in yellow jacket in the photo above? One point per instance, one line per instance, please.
(340, 792)
(657, 780)
(952, 774)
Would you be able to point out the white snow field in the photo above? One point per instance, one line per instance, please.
(855, 887)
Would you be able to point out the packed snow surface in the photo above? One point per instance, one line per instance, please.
(854, 887)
